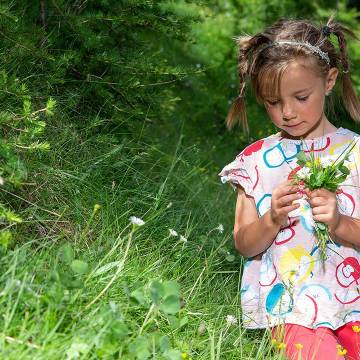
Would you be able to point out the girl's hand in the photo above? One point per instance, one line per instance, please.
(281, 202)
(324, 207)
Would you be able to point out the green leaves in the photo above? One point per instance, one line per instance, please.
(71, 275)
(344, 170)
(79, 267)
(301, 158)
(164, 294)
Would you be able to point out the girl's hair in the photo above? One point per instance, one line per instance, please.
(264, 62)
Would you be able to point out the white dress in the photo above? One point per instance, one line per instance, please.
(286, 283)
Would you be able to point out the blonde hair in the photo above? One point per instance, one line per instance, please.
(264, 63)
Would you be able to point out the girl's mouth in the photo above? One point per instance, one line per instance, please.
(292, 126)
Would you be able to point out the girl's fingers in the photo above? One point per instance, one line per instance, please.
(288, 199)
(320, 210)
(287, 190)
(289, 208)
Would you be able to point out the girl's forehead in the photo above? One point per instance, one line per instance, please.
(291, 78)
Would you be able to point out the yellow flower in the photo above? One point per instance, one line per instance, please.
(184, 355)
(341, 351)
(356, 328)
(317, 162)
(97, 207)
(282, 345)
(299, 346)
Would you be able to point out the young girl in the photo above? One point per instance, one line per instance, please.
(293, 66)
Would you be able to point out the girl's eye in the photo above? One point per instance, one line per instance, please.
(304, 98)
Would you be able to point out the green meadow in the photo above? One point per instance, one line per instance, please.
(116, 232)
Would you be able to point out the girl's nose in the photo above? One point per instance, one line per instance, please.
(288, 112)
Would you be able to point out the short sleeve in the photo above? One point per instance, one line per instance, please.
(242, 171)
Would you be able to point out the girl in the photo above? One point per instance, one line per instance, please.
(293, 66)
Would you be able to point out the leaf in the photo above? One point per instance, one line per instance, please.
(75, 284)
(172, 354)
(106, 268)
(344, 170)
(5, 239)
(157, 291)
(79, 267)
(171, 287)
(184, 321)
(120, 330)
(67, 253)
(170, 305)
(139, 297)
(164, 343)
(301, 158)
(320, 226)
(140, 348)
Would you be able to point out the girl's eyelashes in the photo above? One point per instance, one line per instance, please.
(303, 98)
(274, 102)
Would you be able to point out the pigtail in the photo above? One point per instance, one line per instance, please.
(350, 99)
(247, 46)
(237, 112)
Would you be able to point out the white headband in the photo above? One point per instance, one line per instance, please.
(315, 49)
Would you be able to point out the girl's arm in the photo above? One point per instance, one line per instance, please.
(253, 234)
(347, 230)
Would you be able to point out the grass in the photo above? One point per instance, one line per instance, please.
(113, 304)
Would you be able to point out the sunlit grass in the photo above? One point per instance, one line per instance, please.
(86, 279)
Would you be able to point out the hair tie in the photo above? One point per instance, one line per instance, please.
(326, 30)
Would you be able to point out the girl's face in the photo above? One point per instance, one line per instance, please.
(299, 109)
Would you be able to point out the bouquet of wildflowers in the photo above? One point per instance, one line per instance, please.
(323, 172)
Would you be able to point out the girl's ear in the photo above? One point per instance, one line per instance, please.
(331, 79)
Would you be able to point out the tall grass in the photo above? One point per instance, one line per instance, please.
(83, 282)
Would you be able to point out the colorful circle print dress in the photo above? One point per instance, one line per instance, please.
(287, 283)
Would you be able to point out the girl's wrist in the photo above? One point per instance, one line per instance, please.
(333, 228)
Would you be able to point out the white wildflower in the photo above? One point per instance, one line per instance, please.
(183, 238)
(303, 173)
(326, 161)
(1, 181)
(173, 232)
(169, 205)
(136, 221)
(231, 320)
(220, 228)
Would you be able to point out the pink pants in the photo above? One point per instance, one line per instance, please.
(321, 343)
